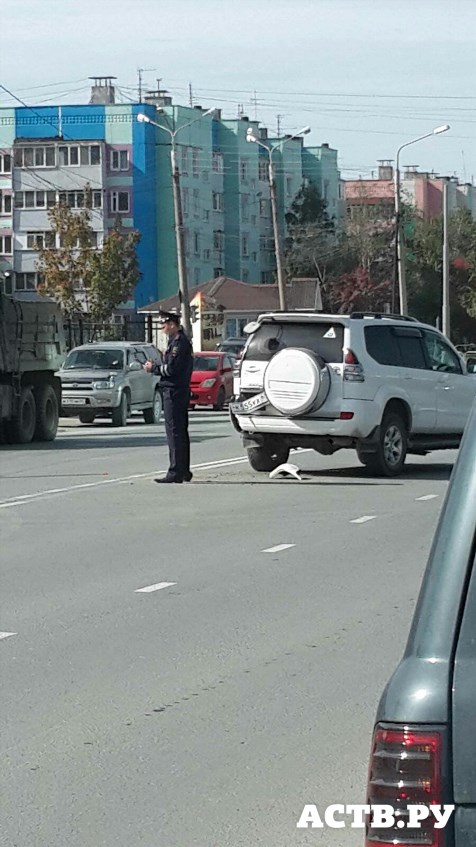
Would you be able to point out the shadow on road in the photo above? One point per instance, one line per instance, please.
(441, 471)
(103, 441)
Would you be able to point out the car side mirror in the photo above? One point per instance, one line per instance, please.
(135, 366)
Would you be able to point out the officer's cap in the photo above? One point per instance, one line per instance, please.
(166, 317)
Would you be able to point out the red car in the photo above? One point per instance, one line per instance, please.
(212, 380)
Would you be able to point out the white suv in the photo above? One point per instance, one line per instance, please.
(385, 385)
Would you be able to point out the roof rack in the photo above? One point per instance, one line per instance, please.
(381, 316)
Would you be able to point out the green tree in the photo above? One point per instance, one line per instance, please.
(65, 268)
(115, 273)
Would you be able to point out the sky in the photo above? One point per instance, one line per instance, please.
(366, 75)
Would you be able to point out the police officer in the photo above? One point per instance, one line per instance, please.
(176, 373)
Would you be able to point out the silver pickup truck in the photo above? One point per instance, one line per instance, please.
(107, 379)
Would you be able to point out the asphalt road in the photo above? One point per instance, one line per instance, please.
(205, 712)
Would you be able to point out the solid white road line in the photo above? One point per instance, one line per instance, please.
(278, 548)
(157, 587)
(364, 519)
(21, 499)
(6, 634)
(428, 497)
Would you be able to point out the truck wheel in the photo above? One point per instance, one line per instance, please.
(154, 414)
(87, 417)
(47, 413)
(22, 428)
(389, 457)
(121, 413)
(268, 457)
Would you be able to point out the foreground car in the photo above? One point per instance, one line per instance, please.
(424, 745)
(107, 379)
(212, 380)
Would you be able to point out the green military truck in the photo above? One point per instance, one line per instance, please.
(32, 349)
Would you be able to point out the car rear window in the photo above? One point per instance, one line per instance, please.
(325, 339)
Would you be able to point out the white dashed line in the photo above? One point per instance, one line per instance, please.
(157, 587)
(364, 519)
(6, 634)
(278, 548)
(427, 497)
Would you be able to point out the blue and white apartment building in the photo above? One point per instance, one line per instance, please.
(51, 153)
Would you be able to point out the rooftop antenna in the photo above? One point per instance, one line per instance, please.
(190, 94)
(278, 124)
(254, 101)
(140, 71)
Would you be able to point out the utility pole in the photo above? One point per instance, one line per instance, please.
(180, 241)
(278, 124)
(190, 94)
(139, 73)
(277, 235)
(400, 247)
(446, 262)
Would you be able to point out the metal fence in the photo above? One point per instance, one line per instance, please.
(127, 328)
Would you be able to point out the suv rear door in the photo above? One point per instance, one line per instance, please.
(324, 338)
(419, 381)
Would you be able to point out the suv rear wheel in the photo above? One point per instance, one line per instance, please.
(269, 456)
(389, 457)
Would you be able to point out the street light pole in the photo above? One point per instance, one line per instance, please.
(178, 216)
(446, 263)
(400, 270)
(250, 136)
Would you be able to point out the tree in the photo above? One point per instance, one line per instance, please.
(83, 279)
(311, 235)
(308, 207)
(115, 273)
(66, 268)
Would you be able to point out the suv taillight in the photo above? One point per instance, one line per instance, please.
(405, 769)
(353, 370)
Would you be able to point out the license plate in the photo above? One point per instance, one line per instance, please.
(255, 402)
(73, 401)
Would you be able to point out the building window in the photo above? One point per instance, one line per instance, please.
(35, 199)
(6, 245)
(264, 208)
(119, 160)
(217, 202)
(68, 156)
(195, 162)
(196, 243)
(185, 206)
(5, 163)
(206, 214)
(205, 176)
(245, 208)
(196, 276)
(253, 220)
(38, 157)
(243, 170)
(196, 202)
(245, 247)
(245, 276)
(97, 199)
(218, 240)
(206, 255)
(40, 240)
(254, 257)
(217, 162)
(25, 281)
(73, 199)
(5, 203)
(95, 154)
(266, 277)
(217, 272)
(120, 201)
(289, 186)
(184, 168)
(263, 173)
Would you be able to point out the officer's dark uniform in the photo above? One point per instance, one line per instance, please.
(176, 373)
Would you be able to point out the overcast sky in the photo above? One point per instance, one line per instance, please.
(366, 75)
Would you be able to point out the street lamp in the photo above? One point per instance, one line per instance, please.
(399, 240)
(270, 149)
(178, 213)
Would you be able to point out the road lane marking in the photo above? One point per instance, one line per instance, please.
(157, 587)
(6, 634)
(427, 497)
(278, 548)
(21, 499)
(364, 519)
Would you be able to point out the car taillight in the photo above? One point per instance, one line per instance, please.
(350, 358)
(353, 370)
(405, 770)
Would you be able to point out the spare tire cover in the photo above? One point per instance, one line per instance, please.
(292, 381)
